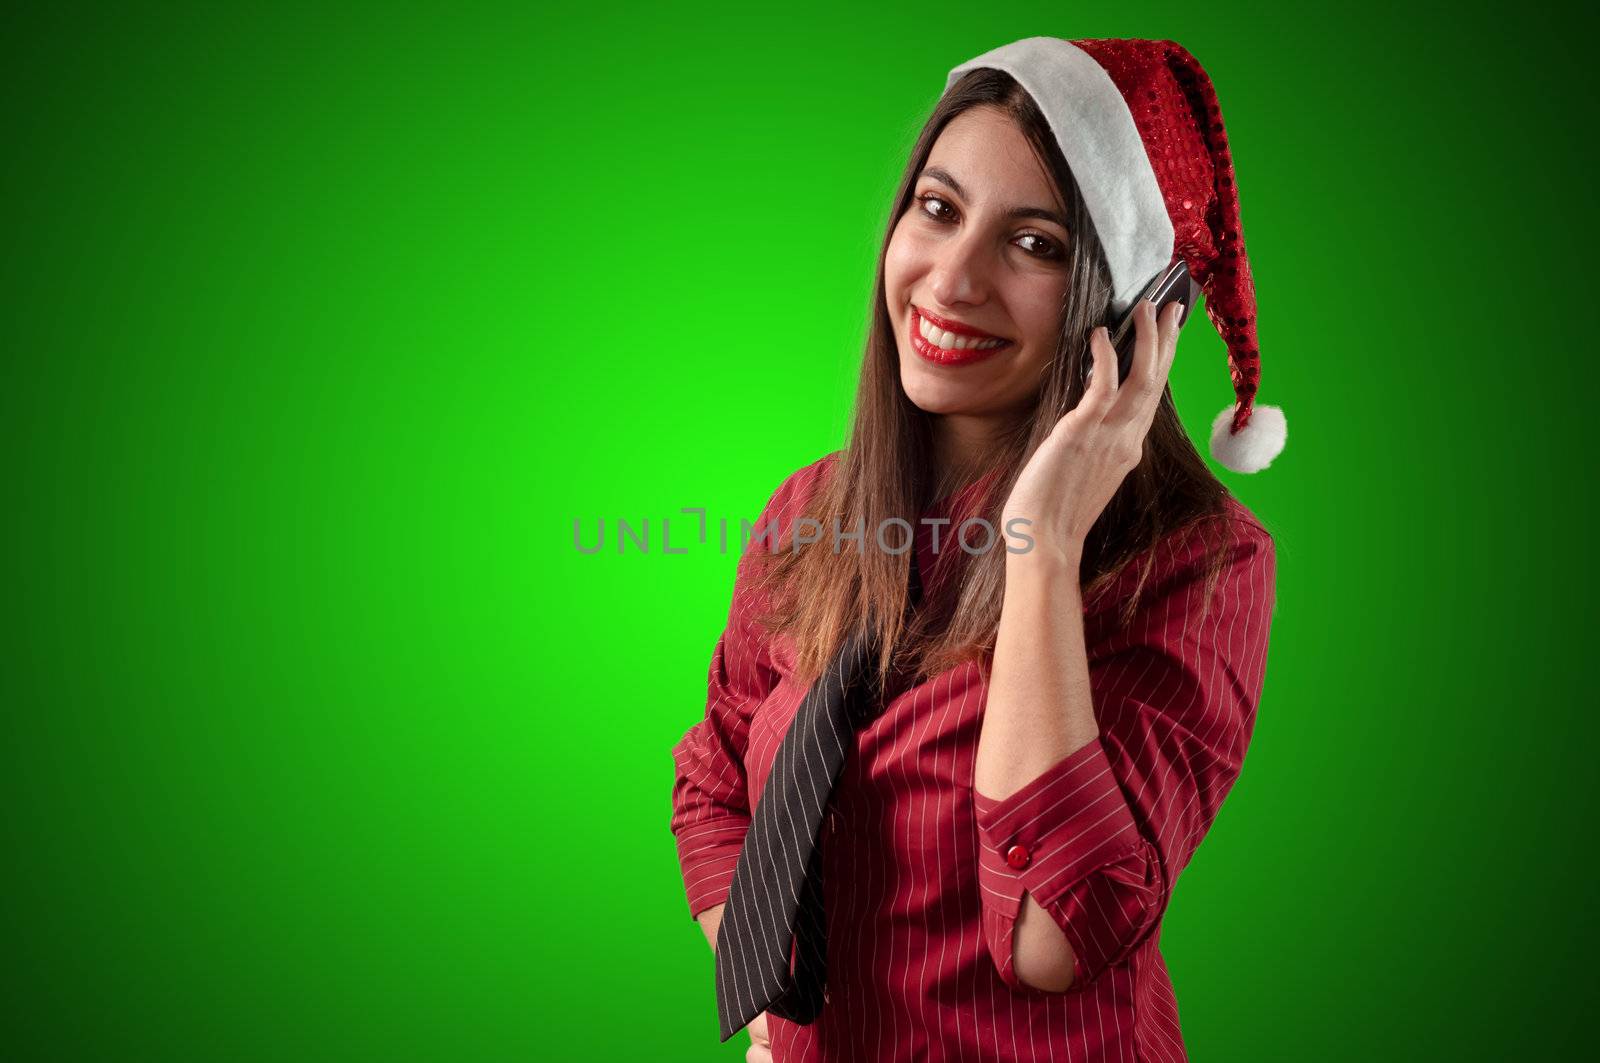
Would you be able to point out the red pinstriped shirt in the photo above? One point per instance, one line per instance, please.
(924, 876)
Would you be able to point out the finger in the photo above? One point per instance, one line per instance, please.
(1101, 393)
(1136, 389)
(1169, 336)
(1166, 353)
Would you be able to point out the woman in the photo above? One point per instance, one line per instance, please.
(1060, 719)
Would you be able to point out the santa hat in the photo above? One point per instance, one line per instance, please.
(1139, 124)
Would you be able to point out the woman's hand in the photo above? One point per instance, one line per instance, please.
(760, 1050)
(1077, 469)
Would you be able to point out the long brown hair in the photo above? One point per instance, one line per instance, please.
(886, 471)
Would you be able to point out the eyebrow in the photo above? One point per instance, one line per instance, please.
(945, 177)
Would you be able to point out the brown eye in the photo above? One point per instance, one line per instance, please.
(1048, 249)
(934, 213)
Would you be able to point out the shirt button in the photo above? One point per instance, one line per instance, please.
(1017, 856)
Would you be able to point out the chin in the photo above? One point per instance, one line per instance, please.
(929, 395)
(936, 407)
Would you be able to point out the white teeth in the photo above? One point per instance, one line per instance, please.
(950, 341)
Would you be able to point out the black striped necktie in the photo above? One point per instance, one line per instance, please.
(774, 911)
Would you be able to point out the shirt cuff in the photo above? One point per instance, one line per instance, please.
(1069, 840)
(708, 853)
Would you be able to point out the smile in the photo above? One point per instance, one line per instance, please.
(946, 342)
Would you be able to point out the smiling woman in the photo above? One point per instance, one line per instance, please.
(975, 247)
(1044, 735)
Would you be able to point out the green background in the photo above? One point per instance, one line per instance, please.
(321, 328)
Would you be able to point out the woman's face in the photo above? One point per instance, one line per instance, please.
(980, 255)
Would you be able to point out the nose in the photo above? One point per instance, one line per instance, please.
(961, 271)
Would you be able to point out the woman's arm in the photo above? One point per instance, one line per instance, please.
(1102, 758)
(710, 806)
(710, 920)
(1148, 727)
(1038, 712)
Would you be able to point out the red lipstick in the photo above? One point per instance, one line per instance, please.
(951, 355)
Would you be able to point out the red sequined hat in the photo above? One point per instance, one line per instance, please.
(1140, 126)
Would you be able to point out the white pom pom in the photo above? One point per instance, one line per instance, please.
(1254, 446)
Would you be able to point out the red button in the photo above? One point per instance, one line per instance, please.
(1017, 856)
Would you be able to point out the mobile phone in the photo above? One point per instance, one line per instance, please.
(1172, 284)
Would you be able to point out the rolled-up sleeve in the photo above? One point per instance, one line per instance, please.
(1099, 838)
(710, 807)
